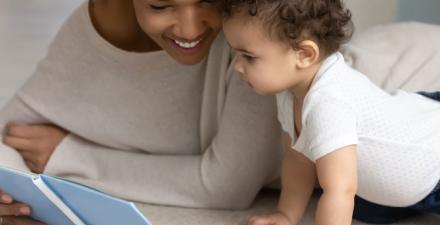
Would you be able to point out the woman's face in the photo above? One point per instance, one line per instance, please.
(185, 29)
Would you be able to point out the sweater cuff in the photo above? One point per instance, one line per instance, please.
(71, 159)
(10, 158)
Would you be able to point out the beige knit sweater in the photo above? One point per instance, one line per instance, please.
(144, 128)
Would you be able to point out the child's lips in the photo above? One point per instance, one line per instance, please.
(242, 78)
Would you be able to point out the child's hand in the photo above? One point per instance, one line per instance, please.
(276, 218)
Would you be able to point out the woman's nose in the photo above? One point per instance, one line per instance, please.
(191, 25)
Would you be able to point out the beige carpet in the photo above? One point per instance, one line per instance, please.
(160, 215)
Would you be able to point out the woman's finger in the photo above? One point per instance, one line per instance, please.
(34, 167)
(28, 155)
(14, 209)
(25, 131)
(5, 198)
(14, 220)
(18, 143)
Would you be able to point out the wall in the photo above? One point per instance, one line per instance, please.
(421, 10)
(26, 29)
(367, 13)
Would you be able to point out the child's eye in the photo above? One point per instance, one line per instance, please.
(249, 58)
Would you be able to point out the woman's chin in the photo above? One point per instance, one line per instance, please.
(189, 60)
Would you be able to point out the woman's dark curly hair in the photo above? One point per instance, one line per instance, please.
(326, 22)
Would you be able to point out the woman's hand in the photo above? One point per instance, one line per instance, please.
(276, 218)
(35, 143)
(13, 213)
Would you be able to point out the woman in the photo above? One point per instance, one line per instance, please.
(135, 98)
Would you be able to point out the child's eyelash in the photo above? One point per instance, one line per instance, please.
(248, 58)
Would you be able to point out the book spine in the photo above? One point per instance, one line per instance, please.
(57, 201)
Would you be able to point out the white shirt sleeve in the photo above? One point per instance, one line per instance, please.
(329, 126)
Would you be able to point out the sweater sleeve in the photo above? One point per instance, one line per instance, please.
(243, 156)
(16, 111)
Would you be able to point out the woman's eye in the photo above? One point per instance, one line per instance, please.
(209, 2)
(158, 8)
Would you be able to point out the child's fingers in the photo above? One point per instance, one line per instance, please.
(261, 220)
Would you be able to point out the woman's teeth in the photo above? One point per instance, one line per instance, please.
(187, 44)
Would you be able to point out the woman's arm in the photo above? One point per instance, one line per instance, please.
(243, 156)
(337, 174)
(16, 111)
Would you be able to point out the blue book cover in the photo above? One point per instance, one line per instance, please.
(55, 201)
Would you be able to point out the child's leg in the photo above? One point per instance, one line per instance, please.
(369, 212)
(373, 213)
(431, 203)
(432, 95)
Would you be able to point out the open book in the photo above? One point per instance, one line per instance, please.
(55, 201)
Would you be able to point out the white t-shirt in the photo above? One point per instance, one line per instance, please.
(397, 134)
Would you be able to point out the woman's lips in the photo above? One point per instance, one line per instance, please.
(189, 47)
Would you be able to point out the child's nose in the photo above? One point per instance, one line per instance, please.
(239, 68)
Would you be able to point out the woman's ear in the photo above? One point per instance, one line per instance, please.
(307, 54)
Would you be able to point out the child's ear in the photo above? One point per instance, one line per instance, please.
(307, 54)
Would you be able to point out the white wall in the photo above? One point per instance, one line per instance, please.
(420, 10)
(26, 29)
(367, 13)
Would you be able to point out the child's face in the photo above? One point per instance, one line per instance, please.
(268, 66)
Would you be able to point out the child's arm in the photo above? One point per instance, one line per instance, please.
(298, 177)
(298, 181)
(337, 174)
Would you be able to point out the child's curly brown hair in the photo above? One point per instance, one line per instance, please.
(327, 22)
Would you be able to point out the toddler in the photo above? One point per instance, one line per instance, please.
(340, 128)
